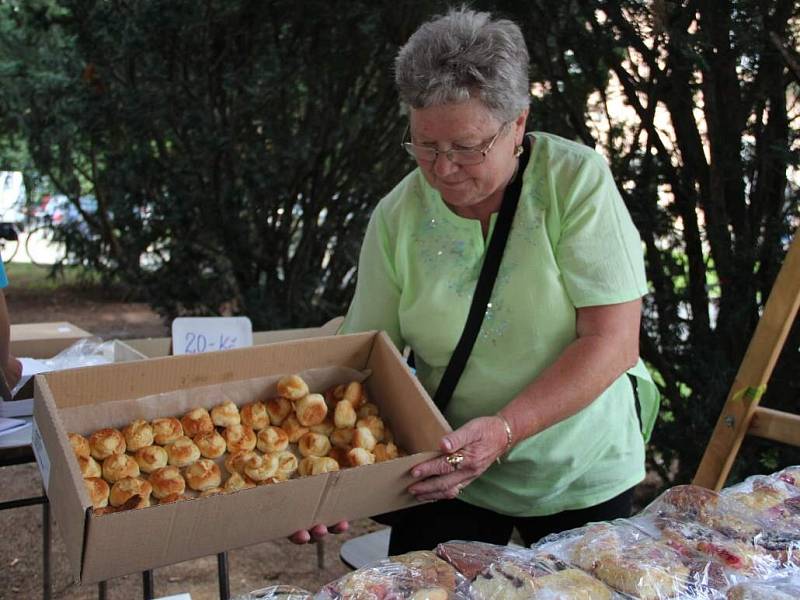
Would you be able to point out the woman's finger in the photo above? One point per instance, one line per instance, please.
(300, 537)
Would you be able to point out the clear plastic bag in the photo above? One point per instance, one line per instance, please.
(87, 352)
(277, 592)
(775, 588)
(416, 576)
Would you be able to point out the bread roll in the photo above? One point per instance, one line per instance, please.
(80, 445)
(287, 465)
(105, 442)
(374, 424)
(182, 452)
(363, 438)
(292, 387)
(236, 482)
(166, 430)
(278, 409)
(272, 439)
(125, 489)
(293, 429)
(138, 434)
(225, 414)
(340, 455)
(313, 444)
(212, 492)
(384, 452)
(239, 437)
(119, 466)
(203, 474)
(89, 467)
(314, 465)
(310, 410)
(344, 415)
(197, 421)
(255, 415)
(354, 394)
(98, 491)
(368, 409)
(172, 498)
(211, 444)
(235, 463)
(262, 469)
(358, 457)
(342, 438)
(167, 480)
(325, 428)
(151, 458)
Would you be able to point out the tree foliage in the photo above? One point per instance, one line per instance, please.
(236, 149)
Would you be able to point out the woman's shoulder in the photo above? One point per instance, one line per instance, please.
(555, 149)
(405, 199)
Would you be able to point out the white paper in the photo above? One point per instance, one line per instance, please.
(9, 425)
(30, 367)
(18, 437)
(193, 335)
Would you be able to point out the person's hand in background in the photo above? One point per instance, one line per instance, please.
(317, 532)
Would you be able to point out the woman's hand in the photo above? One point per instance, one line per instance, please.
(13, 372)
(480, 441)
(317, 532)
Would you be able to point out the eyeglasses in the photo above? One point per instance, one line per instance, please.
(467, 156)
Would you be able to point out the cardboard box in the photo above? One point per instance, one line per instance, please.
(162, 346)
(101, 547)
(44, 340)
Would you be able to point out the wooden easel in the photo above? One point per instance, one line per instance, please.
(742, 414)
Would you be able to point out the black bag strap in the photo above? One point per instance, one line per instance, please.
(483, 289)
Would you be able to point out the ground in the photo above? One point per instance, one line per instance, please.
(106, 314)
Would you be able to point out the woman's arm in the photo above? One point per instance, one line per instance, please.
(607, 344)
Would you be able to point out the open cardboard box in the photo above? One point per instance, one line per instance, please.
(44, 340)
(102, 547)
(162, 346)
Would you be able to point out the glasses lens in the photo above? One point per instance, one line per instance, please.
(420, 152)
(466, 157)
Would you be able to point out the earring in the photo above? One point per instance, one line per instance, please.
(518, 151)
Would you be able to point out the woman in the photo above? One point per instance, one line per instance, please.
(546, 432)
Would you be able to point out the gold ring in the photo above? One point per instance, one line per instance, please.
(455, 459)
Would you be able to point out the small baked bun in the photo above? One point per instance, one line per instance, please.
(344, 415)
(211, 444)
(384, 452)
(293, 428)
(314, 444)
(235, 463)
(119, 466)
(325, 428)
(363, 438)
(105, 442)
(239, 437)
(125, 489)
(89, 467)
(278, 409)
(197, 421)
(388, 436)
(182, 452)
(342, 438)
(151, 458)
(368, 409)
(287, 465)
(310, 410)
(225, 414)
(172, 498)
(314, 465)
(236, 482)
(358, 457)
(98, 491)
(212, 492)
(374, 424)
(255, 416)
(203, 475)
(138, 434)
(167, 480)
(354, 394)
(272, 439)
(340, 455)
(80, 445)
(292, 387)
(166, 430)
(262, 469)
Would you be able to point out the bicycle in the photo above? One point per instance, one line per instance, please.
(9, 241)
(43, 248)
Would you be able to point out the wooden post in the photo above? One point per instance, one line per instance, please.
(736, 417)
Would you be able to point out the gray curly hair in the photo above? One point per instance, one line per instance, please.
(461, 55)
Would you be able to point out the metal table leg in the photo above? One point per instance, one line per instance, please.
(321, 554)
(222, 570)
(101, 590)
(46, 550)
(148, 585)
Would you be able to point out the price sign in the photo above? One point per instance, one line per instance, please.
(192, 335)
